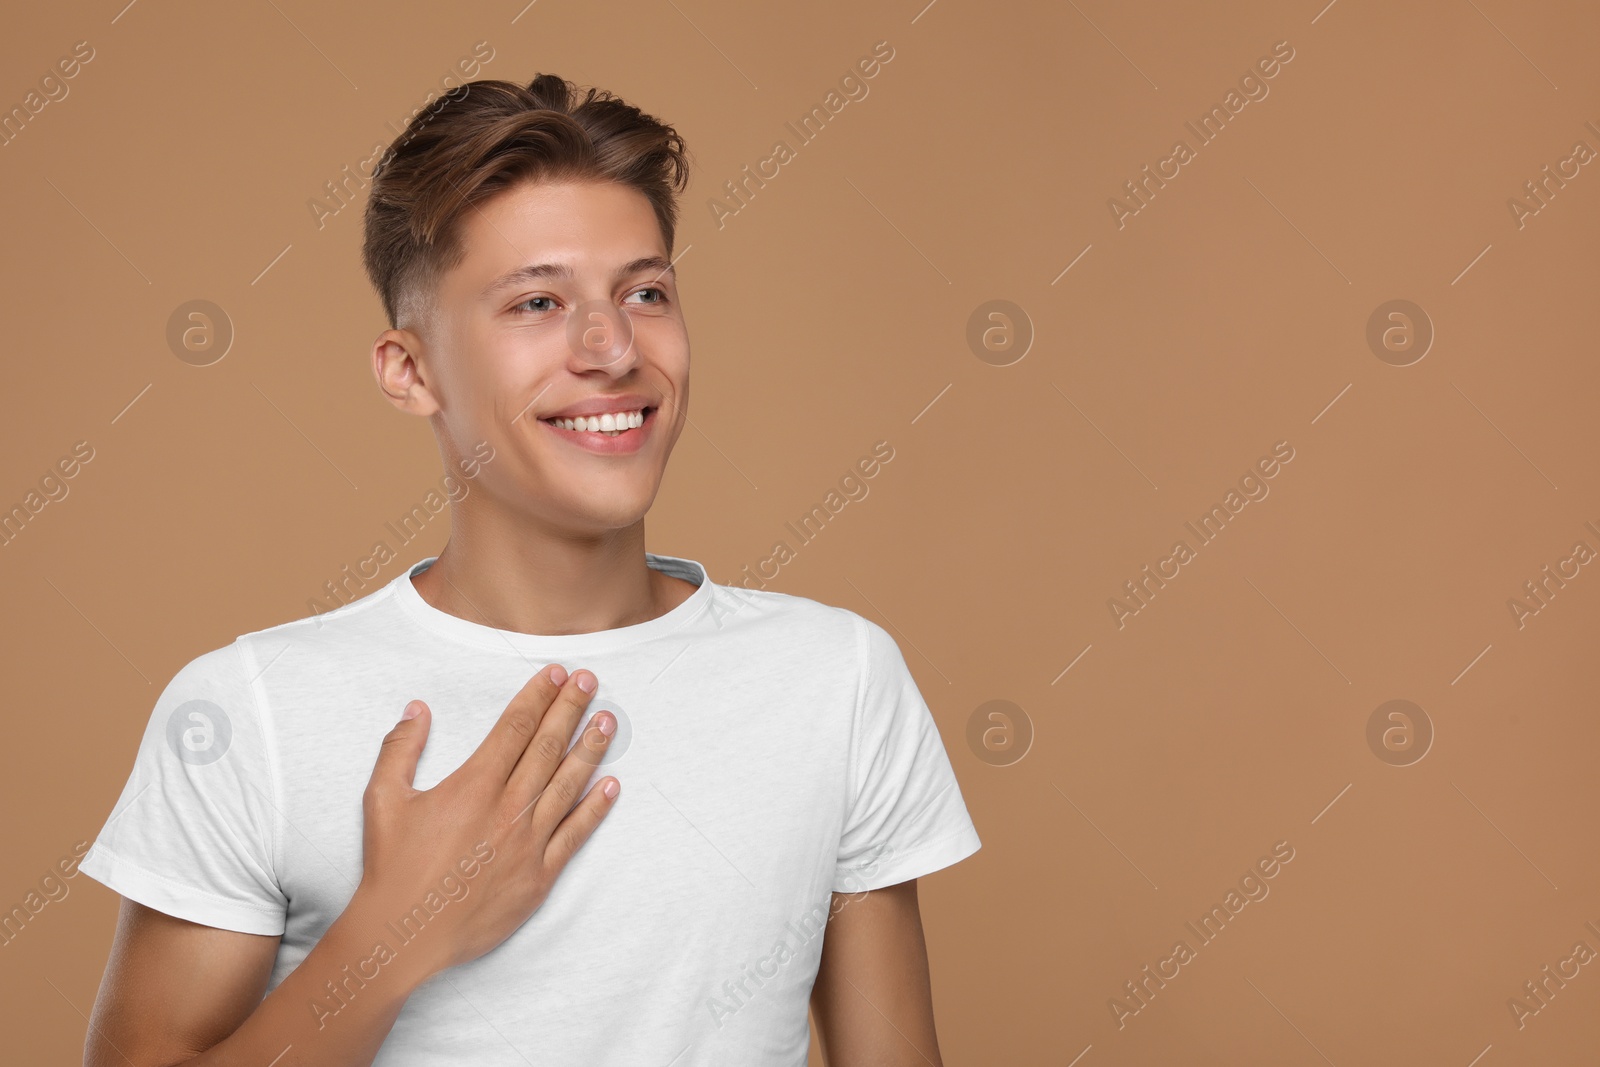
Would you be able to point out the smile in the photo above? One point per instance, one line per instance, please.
(616, 433)
(611, 423)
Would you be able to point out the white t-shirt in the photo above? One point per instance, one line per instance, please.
(771, 749)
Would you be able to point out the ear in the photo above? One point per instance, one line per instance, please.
(399, 371)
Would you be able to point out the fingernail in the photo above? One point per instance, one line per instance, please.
(610, 788)
(558, 674)
(586, 682)
(413, 709)
(605, 724)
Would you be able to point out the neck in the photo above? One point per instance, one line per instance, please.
(528, 580)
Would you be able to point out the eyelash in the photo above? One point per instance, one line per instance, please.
(649, 289)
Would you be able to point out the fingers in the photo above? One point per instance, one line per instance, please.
(545, 751)
(402, 747)
(552, 805)
(575, 829)
(517, 726)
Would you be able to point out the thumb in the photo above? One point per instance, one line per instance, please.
(402, 746)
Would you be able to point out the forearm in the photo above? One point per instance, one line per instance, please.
(337, 1007)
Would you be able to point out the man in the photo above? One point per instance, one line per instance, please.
(307, 881)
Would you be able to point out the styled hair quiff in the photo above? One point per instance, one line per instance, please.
(484, 137)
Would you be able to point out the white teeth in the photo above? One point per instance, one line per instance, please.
(611, 423)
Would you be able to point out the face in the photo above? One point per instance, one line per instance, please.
(564, 306)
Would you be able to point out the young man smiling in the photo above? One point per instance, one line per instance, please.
(308, 882)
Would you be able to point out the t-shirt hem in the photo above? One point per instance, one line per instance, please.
(172, 898)
(911, 863)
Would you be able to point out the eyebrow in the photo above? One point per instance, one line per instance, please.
(533, 271)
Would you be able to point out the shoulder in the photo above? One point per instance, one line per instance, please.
(808, 626)
(335, 632)
(227, 688)
(220, 675)
(770, 608)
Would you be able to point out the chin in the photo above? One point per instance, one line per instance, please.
(589, 514)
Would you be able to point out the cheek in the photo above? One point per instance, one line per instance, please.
(665, 334)
(491, 388)
(669, 351)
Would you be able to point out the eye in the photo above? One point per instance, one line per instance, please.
(530, 300)
(661, 294)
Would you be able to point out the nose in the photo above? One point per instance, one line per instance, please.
(600, 337)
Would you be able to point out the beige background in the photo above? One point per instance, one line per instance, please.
(832, 312)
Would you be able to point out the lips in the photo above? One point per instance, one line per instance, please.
(601, 442)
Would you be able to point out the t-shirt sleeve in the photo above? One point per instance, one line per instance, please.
(193, 833)
(906, 816)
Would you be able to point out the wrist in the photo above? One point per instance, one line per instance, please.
(373, 931)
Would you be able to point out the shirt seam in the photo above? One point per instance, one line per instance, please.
(275, 858)
(863, 671)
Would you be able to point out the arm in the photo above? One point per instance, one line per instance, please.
(174, 989)
(873, 999)
(211, 979)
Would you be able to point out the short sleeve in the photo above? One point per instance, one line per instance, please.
(906, 816)
(192, 834)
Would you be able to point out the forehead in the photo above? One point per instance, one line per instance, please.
(585, 223)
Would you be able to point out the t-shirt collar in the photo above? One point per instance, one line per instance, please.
(555, 646)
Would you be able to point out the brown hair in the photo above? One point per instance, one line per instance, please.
(484, 137)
